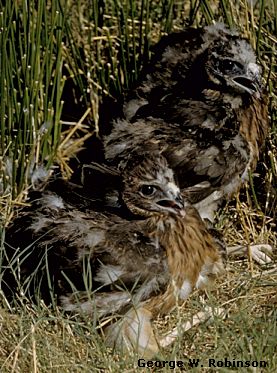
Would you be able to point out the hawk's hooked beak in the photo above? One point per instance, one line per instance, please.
(177, 203)
(250, 82)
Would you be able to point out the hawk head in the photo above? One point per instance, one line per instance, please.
(230, 62)
(149, 187)
(216, 57)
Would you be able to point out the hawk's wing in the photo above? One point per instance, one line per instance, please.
(203, 159)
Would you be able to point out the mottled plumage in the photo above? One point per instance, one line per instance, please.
(202, 105)
(105, 264)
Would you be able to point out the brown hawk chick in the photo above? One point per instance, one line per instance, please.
(202, 105)
(101, 263)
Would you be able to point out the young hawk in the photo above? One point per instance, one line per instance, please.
(202, 105)
(99, 263)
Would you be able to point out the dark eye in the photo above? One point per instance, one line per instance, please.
(230, 66)
(147, 190)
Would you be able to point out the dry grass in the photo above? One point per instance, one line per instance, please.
(36, 339)
(39, 339)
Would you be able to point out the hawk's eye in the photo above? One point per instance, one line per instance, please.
(147, 190)
(230, 66)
